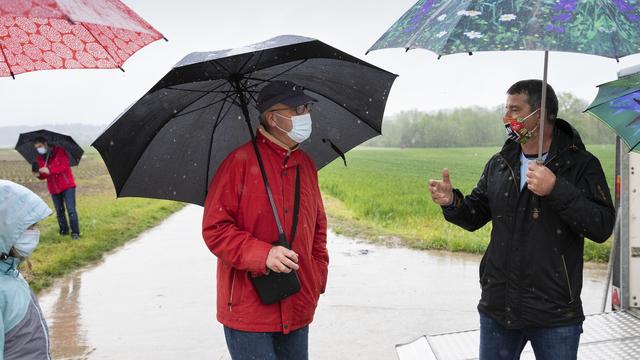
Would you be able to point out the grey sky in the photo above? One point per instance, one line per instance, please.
(98, 96)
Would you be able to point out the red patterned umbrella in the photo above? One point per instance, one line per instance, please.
(69, 34)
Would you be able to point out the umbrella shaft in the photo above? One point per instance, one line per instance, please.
(543, 108)
(245, 111)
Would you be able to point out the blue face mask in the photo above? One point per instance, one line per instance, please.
(301, 130)
(41, 150)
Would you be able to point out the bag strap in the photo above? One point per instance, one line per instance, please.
(281, 234)
(296, 206)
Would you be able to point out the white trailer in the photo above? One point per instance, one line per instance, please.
(610, 335)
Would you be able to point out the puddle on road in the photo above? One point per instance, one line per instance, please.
(65, 327)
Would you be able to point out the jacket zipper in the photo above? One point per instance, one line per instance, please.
(513, 176)
(566, 274)
(233, 283)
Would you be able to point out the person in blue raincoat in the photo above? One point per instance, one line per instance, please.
(23, 330)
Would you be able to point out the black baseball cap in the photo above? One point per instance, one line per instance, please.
(283, 92)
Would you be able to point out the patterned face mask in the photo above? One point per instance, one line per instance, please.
(515, 129)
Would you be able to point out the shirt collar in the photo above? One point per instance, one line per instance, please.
(262, 131)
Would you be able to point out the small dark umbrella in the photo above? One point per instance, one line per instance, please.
(169, 144)
(27, 150)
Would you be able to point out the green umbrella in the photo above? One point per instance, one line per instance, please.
(608, 28)
(618, 105)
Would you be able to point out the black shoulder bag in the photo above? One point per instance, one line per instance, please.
(274, 286)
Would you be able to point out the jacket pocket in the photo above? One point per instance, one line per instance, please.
(567, 279)
(319, 277)
(483, 264)
(235, 290)
(233, 285)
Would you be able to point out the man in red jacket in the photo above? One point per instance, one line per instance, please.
(53, 166)
(239, 228)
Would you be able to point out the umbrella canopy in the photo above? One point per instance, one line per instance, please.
(169, 144)
(608, 28)
(27, 150)
(618, 105)
(69, 34)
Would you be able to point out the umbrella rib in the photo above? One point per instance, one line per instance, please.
(189, 90)
(118, 191)
(249, 59)
(105, 49)
(614, 35)
(347, 109)
(204, 91)
(333, 101)
(222, 66)
(275, 76)
(245, 88)
(203, 95)
(224, 99)
(628, 92)
(257, 61)
(249, 92)
(213, 132)
(417, 33)
(449, 36)
(6, 61)
(251, 95)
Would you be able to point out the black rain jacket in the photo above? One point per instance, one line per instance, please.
(531, 272)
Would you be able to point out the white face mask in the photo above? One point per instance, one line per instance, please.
(301, 129)
(27, 242)
(41, 150)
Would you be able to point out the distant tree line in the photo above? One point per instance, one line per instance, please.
(478, 126)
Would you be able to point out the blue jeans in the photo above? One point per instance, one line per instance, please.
(68, 198)
(244, 345)
(557, 343)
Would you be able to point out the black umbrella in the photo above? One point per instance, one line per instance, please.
(169, 144)
(27, 150)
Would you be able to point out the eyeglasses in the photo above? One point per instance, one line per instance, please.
(300, 109)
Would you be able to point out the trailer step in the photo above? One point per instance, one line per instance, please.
(610, 335)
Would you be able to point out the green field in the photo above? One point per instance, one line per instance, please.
(383, 193)
(105, 223)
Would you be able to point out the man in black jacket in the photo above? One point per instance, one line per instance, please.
(531, 272)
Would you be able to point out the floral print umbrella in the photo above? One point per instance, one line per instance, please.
(618, 105)
(69, 34)
(608, 28)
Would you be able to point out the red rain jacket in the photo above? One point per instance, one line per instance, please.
(60, 177)
(239, 227)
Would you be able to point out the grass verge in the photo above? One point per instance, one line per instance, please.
(105, 222)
